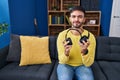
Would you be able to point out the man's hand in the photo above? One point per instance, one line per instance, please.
(67, 47)
(84, 46)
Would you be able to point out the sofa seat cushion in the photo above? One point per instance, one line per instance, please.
(111, 69)
(54, 73)
(13, 71)
(98, 74)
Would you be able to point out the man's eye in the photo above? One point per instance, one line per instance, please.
(73, 16)
(80, 16)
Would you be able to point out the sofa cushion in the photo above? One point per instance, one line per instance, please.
(14, 53)
(111, 69)
(97, 72)
(108, 48)
(52, 47)
(3, 55)
(54, 72)
(34, 50)
(14, 48)
(13, 71)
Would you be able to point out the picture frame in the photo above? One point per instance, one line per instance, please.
(92, 22)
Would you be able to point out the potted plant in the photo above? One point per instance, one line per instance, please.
(3, 28)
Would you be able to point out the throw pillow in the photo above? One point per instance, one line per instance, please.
(34, 50)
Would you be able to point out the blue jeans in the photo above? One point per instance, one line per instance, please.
(67, 72)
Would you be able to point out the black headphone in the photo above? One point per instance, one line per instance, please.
(83, 38)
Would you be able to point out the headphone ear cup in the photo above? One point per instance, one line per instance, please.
(83, 38)
(70, 41)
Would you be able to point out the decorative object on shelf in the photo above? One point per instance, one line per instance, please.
(70, 6)
(54, 8)
(92, 22)
(3, 28)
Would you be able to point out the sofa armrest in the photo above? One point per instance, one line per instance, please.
(3, 55)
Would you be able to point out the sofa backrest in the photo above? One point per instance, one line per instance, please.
(53, 47)
(14, 52)
(108, 48)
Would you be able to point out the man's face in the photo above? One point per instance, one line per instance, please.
(77, 19)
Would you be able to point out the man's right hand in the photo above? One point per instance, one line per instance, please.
(67, 48)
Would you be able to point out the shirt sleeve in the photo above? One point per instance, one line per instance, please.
(61, 56)
(88, 59)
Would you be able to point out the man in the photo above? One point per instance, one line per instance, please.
(75, 59)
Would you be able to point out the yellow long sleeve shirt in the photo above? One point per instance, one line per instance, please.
(75, 57)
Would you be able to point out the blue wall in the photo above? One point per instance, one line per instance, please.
(106, 8)
(23, 12)
(41, 14)
(4, 17)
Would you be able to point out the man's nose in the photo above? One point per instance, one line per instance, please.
(76, 18)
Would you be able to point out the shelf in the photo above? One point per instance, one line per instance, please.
(54, 30)
(56, 24)
(66, 4)
(58, 19)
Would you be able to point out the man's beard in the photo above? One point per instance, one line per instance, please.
(77, 26)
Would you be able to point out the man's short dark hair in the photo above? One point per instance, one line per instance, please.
(79, 8)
